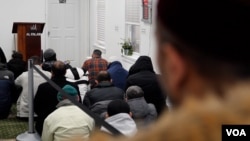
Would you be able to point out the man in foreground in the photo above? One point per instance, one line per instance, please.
(203, 55)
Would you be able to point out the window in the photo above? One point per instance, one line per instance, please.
(100, 15)
(132, 22)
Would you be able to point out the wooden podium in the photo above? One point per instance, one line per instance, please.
(28, 38)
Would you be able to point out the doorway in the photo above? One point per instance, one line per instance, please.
(63, 30)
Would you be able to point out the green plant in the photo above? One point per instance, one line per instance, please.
(127, 45)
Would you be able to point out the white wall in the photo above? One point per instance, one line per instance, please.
(115, 31)
(35, 11)
(18, 11)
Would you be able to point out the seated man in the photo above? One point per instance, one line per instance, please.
(45, 100)
(118, 74)
(6, 90)
(94, 66)
(98, 98)
(119, 116)
(67, 120)
(22, 80)
(49, 56)
(143, 113)
(16, 64)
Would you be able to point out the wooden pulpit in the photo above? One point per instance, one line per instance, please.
(28, 38)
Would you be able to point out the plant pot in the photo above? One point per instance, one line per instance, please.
(126, 51)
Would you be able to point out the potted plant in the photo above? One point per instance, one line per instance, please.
(127, 47)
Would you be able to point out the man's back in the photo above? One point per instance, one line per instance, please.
(118, 74)
(94, 66)
(46, 100)
(46, 97)
(22, 80)
(153, 93)
(65, 122)
(102, 92)
(6, 90)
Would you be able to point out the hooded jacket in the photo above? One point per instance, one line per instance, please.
(143, 113)
(122, 122)
(142, 74)
(6, 90)
(118, 74)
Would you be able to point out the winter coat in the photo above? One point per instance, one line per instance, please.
(103, 91)
(100, 108)
(118, 74)
(143, 113)
(6, 90)
(45, 100)
(17, 66)
(143, 75)
(47, 65)
(123, 123)
(23, 100)
(67, 121)
(2, 57)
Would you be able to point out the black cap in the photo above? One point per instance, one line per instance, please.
(49, 53)
(117, 106)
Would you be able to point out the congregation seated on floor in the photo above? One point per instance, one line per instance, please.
(108, 89)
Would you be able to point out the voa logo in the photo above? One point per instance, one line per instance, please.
(236, 132)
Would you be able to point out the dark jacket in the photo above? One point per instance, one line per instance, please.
(6, 90)
(102, 92)
(2, 57)
(100, 108)
(142, 74)
(45, 100)
(142, 112)
(118, 74)
(17, 66)
(47, 65)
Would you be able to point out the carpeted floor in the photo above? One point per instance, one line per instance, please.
(11, 127)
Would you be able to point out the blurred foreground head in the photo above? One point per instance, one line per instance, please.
(202, 45)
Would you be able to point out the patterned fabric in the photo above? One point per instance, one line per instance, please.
(94, 66)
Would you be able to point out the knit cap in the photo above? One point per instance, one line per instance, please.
(69, 90)
(49, 53)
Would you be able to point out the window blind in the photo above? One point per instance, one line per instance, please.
(133, 11)
(101, 20)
